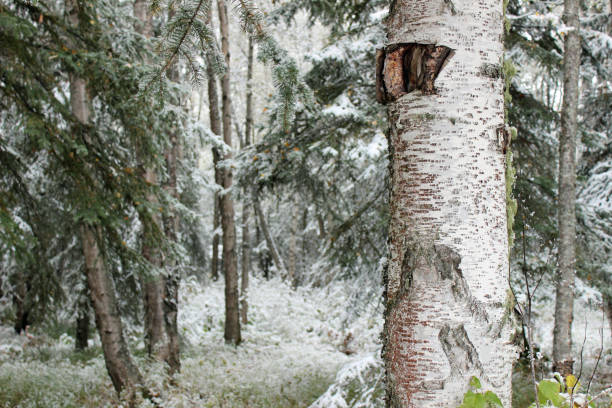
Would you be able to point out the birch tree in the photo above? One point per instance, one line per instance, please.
(564, 305)
(448, 302)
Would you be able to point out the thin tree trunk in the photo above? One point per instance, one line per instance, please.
(293, 252)
(278, 261)
(230, 261)
(261, 256)
(564, 305)
(215, 126)
(20, 294)
(122, 370)
(82, 322)
(172, 281)
(173, 155)
(607, 304)
(246, 247)
(156, 338)
(448, 302)
(124, 374)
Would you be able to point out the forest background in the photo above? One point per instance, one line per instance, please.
(125, 168)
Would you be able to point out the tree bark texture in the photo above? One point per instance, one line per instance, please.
(448, 302)
(156, 338)
(230, 261)
(293, 251)
(21, 304)
(246, 243)
(173, 155)
(122, 370)
(82, 322)
(215, 126)
(278, 261)
(564, 305)
(607, 305)
(124, 374)
(172, 280)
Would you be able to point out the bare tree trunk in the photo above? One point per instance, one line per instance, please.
(293, 252)
(448, 302)
(607, 304)
(278, 261)
(564, 305)
(20, 294)
(261, 256)
(82, 321)
(215, 126)
(172, 281)
(173, 155)
(122, 370)
(156, 338)
(215, 240)
(246, 247)
(230, 261)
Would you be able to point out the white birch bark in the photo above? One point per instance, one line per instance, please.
(447, 292)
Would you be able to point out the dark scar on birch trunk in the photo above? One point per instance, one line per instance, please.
(445, 262)
(403, 68)
(460, 352)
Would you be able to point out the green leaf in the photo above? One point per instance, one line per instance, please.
(492, 399)
(472, 400)
(549, 391)
(475, 383)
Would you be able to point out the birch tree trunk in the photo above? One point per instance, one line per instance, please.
(124, 374)
(448, 303)
(156, 338)
(564, 305)
(230, 261)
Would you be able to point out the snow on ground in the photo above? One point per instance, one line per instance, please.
(310, 347)
(293, 346)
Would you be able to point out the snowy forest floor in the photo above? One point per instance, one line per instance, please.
(293, 346)
(310, 347)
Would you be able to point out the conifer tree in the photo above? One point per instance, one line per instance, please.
(122, 370)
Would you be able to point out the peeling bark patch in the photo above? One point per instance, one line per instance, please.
(436, 263)
(403, 68)
(460, 352)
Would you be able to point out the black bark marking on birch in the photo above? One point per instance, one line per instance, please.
(447, 263)
(451, 7)
(460, 352)
(493, 71)
(403, 68)
(503, 138)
